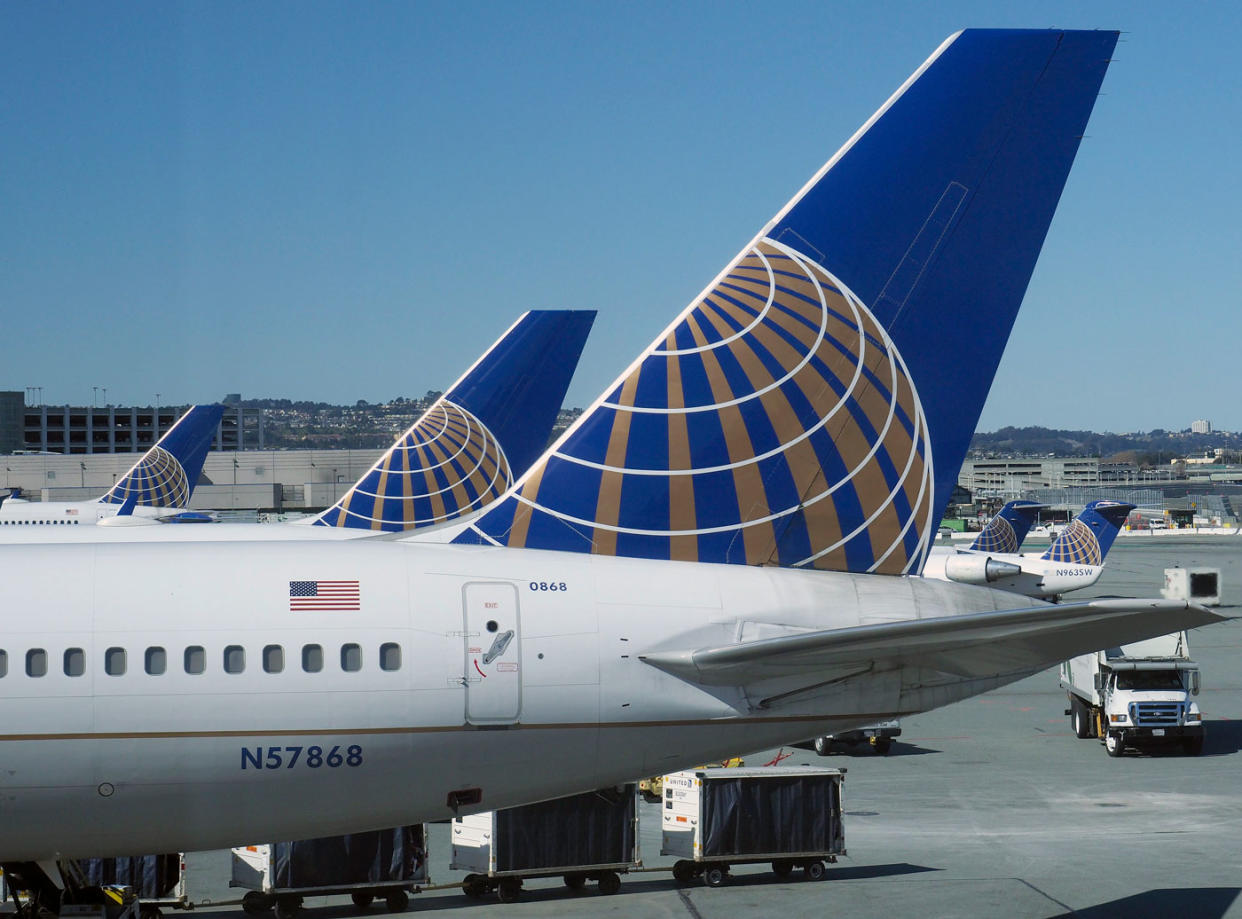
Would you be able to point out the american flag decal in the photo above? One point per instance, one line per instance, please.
(324, 596)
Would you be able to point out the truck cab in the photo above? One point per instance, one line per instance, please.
(1136, 696)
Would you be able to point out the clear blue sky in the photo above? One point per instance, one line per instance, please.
(350, 201)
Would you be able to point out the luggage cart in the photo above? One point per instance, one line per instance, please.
(383, 864)
(716, 818)
(158, 881)
(591, 836)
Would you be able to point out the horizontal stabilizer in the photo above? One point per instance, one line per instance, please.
(973, 644)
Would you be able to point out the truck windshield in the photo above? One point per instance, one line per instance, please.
(1149, 679)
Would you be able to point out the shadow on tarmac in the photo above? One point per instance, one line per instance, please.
(897, 749)
(644, 882)
(1200, 902)
(1222, 737)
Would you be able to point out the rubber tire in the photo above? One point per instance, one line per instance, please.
(1192, 746)
(1080, 719)
(609, 883)
(509, 890)
(149, 912)
(823, 746)
(255, 903)
(397, 901)
(362, 900)
(287, 907)
(684, 871)
(715, 876)
(782, 868)
(883, 745)
(814, 871)
(474, 886)
(1114, 744)
(575, 881)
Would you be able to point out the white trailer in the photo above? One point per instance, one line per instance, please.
(879, 735)
(715, 818)
(590, 836)
(1136, 695)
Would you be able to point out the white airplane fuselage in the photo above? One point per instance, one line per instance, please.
(27, 516)
(518, 675)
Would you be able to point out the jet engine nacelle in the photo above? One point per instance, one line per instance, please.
(972, 568)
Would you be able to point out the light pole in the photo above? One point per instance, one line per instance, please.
(94, 397)
(82, 465)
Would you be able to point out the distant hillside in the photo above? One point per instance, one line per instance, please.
(1158, 446)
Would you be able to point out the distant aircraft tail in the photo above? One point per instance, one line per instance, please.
(813, 405)
(467, 449)
(1005, 532)
(166, 474)
(1090, 535)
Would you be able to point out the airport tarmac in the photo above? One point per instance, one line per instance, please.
(990, 807)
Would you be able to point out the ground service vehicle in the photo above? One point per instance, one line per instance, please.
(586, 837)
(1136, 695)
(879, 735)
(715, 818)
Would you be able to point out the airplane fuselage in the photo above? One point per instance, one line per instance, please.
(303, 690)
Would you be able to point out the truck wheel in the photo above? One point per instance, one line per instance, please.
(1114, 743)
(814, 871)
(1192, 746)
(715, 876)
(254, 903)
(397, 901)
(474, 886)
(509, 890)
(683, 871)
(1079, 720)
(823, 746)
(361, 900)
(609, 883)
(782, 868)
(883, 745)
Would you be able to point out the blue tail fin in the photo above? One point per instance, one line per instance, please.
(1005, 532)
(813, 405)
(167, 473)
(1090, 535)
(466, 450)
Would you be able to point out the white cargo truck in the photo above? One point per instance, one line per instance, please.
(1136, 695)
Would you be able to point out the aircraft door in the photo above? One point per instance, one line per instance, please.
(493, 660)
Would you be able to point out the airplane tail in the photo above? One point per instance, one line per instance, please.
(467, 449)
(166, 474)
(813, 405)
(1005, 532)
(1090, 535)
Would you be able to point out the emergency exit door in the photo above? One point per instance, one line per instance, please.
(493, 660)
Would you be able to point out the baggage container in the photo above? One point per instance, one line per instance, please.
(591, 836)
(385, 864)
(715, 818)
(156, 880)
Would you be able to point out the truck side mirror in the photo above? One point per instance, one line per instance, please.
(1099, 682)
(1194, 682)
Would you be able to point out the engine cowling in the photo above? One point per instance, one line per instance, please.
(973, 568)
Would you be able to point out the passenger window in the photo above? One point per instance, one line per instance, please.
(234, 659)
(114, 661)
(4, 663)
(273, 659)
(195, 659)
(312, 658)
(390, 656)
(75, 662)
(155, 660)
(351, 658)
(36, 662)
